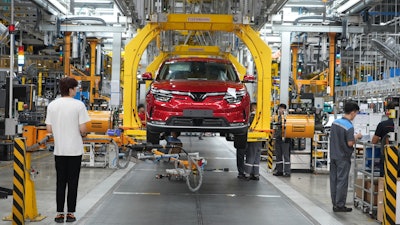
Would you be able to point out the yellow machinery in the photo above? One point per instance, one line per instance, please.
(298, 125)
(100, 121)
(325, 78)
(70, 70)
(198, 22)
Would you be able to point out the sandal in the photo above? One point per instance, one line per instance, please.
(70, 217)
(59, 218)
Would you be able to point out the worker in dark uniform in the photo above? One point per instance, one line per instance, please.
(253, 152)
(282, 145)
(341, 147)
(240, 153)
(383, 128)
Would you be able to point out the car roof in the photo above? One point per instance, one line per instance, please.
(198, 59)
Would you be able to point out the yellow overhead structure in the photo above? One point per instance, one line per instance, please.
(198, 22)
(195, 50)
(326, 78)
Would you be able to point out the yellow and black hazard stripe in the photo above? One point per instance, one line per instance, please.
(270, 151)
(389, 200)
(19, 183)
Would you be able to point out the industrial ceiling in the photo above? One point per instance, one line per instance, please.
(38, 21)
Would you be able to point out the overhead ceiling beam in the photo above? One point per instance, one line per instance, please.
(82, 28)
(52, 8)
(365, 29)
(123, 7)
(23, 27)
(315, 28)
(94, 5)
(276, 6)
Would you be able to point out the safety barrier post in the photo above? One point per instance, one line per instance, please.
(31, 211)
(18, 207)
(24, 197)
(270, 152)
(389, 199)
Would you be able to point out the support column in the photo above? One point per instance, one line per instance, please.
(285, 68)
(93, 91)
(67, 53)
(332, 59)
(116, 70)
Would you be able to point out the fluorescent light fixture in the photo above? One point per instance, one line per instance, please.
(347, 5)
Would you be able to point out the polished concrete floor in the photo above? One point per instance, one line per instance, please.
(134, 195)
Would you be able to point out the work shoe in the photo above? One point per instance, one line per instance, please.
(70, 217)
(342, 209)
(254, 177)
(242, 177)
(59, 218)
(286, 174)
(277, 173)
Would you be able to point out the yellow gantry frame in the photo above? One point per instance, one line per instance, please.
(190, 50)
(199, 22)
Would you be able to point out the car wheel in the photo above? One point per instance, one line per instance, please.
(153, 138)
(240, 141)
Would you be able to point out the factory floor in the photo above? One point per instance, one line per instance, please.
(134, 195)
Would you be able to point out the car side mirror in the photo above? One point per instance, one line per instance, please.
(248, 78)
(147, 76)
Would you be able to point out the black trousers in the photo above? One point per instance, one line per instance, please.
(68, 169)
(240, 153)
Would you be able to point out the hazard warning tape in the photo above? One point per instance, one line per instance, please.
(19, 183)
(270, 151)
(389, 200)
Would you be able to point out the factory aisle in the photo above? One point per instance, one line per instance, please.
(135, 196)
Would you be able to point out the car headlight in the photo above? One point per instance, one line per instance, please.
(234, 96)
(161, 95)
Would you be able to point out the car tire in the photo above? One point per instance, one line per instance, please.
(240, 141)
(153, 138)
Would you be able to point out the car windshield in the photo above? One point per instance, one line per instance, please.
(197, 70)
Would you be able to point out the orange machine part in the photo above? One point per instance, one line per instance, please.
(100, 121)
(30, 135)
(299, 126)
(33, 135)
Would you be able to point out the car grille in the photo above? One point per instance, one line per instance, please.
(198, 122)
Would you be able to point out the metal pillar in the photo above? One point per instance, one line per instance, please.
(285, 68)
(116, 70)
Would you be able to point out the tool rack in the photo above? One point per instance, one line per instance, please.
(366, 178)
(321, 158)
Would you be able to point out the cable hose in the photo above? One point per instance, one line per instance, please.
(199, 170)
(200, 174)
(128, 157)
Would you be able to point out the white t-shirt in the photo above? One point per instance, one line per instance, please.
(65, 114)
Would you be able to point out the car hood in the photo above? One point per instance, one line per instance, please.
(197, 85)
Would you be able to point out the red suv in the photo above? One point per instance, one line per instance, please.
(198, 95)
